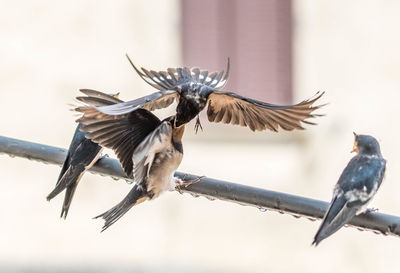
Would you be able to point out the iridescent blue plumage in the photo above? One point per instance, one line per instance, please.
(356, 187)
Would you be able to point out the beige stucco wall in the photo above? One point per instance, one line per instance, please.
(49, 50)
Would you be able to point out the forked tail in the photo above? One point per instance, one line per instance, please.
(135, 196)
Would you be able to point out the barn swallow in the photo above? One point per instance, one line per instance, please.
(356, 187)
(150, 150)
(82, 154)
(194, 89)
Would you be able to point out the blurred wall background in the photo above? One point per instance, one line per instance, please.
(50, 49)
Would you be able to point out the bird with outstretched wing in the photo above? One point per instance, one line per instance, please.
(196, 89)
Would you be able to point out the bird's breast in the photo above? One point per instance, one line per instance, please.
(188, 107)
(164, 165)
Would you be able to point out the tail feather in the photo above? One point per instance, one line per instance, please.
(69, 194)
(337, 216)
(135, 196)
(71, 176)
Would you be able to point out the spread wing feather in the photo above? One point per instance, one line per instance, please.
(106, 99)
(150, 102)
(173, 77)
(121, 133)
(232, 108)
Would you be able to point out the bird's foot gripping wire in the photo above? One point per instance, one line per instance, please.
(185, 183)
(198, 124)
(369, 210)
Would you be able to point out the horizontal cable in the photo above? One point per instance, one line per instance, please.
(213, 189)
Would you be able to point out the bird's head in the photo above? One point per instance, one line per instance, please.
(365, 144)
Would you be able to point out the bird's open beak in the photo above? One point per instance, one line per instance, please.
(116, 95)
(355, 147)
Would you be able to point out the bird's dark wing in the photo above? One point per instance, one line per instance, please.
(232, 108)
(81, 154)
(77, 139)
(64, 167)
(121, 133)
(145, 152)
(151, 102)
(71, 176)
(173, 77)
(361, 178)
(338, 214)
(97, 98)
(78, 161)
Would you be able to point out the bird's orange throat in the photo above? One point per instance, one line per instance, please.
(178, 133)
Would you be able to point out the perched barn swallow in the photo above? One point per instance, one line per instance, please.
(82, 154)
(194, 89)
(150, 150)
(356, 187)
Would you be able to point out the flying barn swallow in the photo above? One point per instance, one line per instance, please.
(194, 89)
(82, 154)
(356, 187)
(150, 150)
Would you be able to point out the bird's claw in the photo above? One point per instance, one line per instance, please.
(182, 182)
(198, 125)
(369, 210)
(178, 184)
(193, 181)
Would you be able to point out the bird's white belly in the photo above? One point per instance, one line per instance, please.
(161, 178)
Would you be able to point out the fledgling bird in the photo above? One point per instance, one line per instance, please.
(150, 150)
(194, 89)
(82, 154)
(356, 187)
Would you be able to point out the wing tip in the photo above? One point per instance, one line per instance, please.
(64, 213)
(316, 97)
(315, 242)
(142, 73)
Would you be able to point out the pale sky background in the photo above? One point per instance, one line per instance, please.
(50, 49)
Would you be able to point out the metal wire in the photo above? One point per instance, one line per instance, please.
(212, 189)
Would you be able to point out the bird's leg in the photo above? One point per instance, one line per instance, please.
(369, 210)
(178, 183)
(198, 124)
(100, 157)
(366, 210)
(182, 182)
(193, 181)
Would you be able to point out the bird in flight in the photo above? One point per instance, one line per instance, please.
(356, 187)
(196, 89)
(150, 150)
(82, 154)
